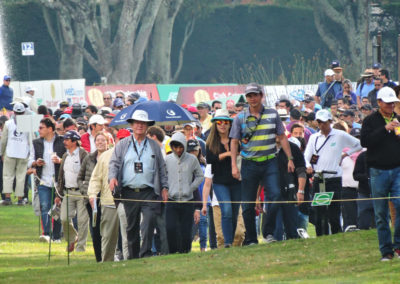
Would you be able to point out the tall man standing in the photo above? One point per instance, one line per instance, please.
(45, 158)
(137, 171)
(380, 136)
(257, 128)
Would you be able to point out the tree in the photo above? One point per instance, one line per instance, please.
(348, 39)
(114, 55)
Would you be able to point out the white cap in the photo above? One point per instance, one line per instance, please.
(140, 115)
(283, 113)
(323, 115)
(329, 72)
(387, 95)
(29, 89)
(19, 107)
(84, 104)
(96, 118)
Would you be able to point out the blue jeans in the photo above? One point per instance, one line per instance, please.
(365, 210)
(203, 225)
(383, 183)
(229, 211)
(45, 200)
(255, 174)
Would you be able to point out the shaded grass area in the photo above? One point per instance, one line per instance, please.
(344, 258)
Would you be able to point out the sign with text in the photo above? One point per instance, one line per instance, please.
(28, 48)
(322, 199)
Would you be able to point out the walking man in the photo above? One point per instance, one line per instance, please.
(379, 134)
(137, 171)
(257, 128)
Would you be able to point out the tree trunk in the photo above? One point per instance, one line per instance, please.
(71, 63)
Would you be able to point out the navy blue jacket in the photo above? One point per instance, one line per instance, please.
(6, 97)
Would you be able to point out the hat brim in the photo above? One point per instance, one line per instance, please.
(149, 122)
(389, 100)
(221, 118)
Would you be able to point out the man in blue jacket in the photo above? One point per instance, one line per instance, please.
(6, 94)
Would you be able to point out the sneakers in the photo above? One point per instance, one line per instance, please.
(57, 241)
(44, 239)
(6, 202)
(387, 257)
(351, 228)
(269, 239)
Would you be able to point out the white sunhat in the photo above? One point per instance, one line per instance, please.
(96, 118)
(140, 115)
(387, 95)
(19, 107)
(323, 115)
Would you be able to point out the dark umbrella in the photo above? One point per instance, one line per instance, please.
(163, 113)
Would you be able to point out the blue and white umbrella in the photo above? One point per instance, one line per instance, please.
(163, 113)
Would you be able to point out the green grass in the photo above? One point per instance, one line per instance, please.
(343, 258)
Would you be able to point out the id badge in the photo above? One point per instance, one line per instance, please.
(138, 167)
(314, 159)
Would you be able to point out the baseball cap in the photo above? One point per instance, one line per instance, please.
(253, 88)
(191, 124)
(329, 72)
(335, 64)
(348, 112)
(122, 133)
(65, 116)
(376, 66)
(192, 145)
(203, 105)
(282, 113)
(29, 89)
(96, 118)
(366, 107)
(387, 95)
(118, 102)
(356, 132)
(73, 135)
(323, 115)
(19, 108)
(7, 77)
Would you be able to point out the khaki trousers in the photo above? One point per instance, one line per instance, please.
(109, 228)
(123, 223)
(76, 206)
(240, 229)
(14, 168)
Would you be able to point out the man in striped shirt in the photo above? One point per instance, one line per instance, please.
(256, 129)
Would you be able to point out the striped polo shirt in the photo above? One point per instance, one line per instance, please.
(262, 131)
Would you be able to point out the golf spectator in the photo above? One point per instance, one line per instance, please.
(6, 94)
(29, 100)
(225, 186)
(184, 177)
(379, 134)
(327, 90)
(255, 127)
(68, 190)
(137, 171)
(96, 124)
(347, 93)
(378, 83)
(324, 152)
(348, 117)
(384, 75)
(15, 148)
(205, 118)
(215, 105)
(376, 67)
(366, 86)
(107, 99)
(45, 158)
(85, 173)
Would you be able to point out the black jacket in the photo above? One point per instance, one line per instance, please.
(360, 174)
(38, 147)
(383, 148)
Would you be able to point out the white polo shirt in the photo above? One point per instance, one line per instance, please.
(329, 149)
(72, 165)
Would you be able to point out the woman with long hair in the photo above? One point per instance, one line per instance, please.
(225, 186)
(89, 162)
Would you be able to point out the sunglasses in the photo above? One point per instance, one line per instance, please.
(220, 122)
(8, 80)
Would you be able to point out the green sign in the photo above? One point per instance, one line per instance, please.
(322, 199)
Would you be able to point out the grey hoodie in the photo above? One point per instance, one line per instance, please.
(184, 173)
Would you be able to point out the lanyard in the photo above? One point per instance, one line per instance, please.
(316, 140)
(257, 122)
(141, 152)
